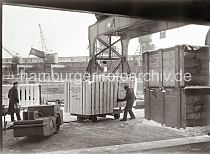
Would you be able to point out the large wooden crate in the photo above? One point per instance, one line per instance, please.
(29, 94)
(90, 98)
(176, 108)
(95, 97)
(166, 65)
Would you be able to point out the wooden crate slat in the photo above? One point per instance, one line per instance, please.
(108, 97)
(93, 98)
(97, 98)
(31, 95)
(75, 97)
(88, 99)
(101, 97)
(115, 94)
(80, 103)
(156, 105)
(27, 95)
(111, 105)
(23, 88)
(105, 96)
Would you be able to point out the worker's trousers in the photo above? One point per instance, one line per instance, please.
(128, 110)
(17, 115)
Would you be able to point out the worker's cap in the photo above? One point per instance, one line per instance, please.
(126, 86)
(15, 83)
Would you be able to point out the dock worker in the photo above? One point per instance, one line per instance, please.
(14, 102)
(130, 99)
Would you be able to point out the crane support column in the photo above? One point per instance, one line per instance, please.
(125, 65)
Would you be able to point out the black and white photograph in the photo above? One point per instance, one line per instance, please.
(105, 76)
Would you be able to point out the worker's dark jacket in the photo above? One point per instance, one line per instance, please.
(13, 99)
(130, 98)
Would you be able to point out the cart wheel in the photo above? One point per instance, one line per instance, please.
(58, 123)
(93, 118)
(80, 118)
(116, 116)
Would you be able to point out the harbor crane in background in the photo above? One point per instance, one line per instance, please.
(16, 59)
(43, 44)
(49, 58)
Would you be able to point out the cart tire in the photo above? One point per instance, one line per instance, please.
(79, 118)
(116, 116)
(93, 118)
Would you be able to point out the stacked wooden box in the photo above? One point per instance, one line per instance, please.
(165, 98)
(94, 97)
(29, 94)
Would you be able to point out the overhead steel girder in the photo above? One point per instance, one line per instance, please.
(127, 28)
(193, 11)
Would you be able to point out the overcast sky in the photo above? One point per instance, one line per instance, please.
(66, 33)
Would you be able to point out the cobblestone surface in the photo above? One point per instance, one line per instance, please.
(105, 132)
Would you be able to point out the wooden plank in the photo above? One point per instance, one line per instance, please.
(182, 66)
(179, 101)
(169, 67)
(27, 95)
(111, 106)
(97, 95)
(115, 94)
(105, 96)
(93, 97)
(88, 100)
(75, 97)
(108, 97)
(31, 95)
(171, 107)
(156, 105)
(147, 104)
(177, 66)
(101, 84)
(80, 103)
(161, 68)
(183, 109)
(37, 95)
(154, 69)
(24, 94)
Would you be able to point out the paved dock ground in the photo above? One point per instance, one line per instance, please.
(105, 132)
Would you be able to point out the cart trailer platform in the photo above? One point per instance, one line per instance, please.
(93, 118)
